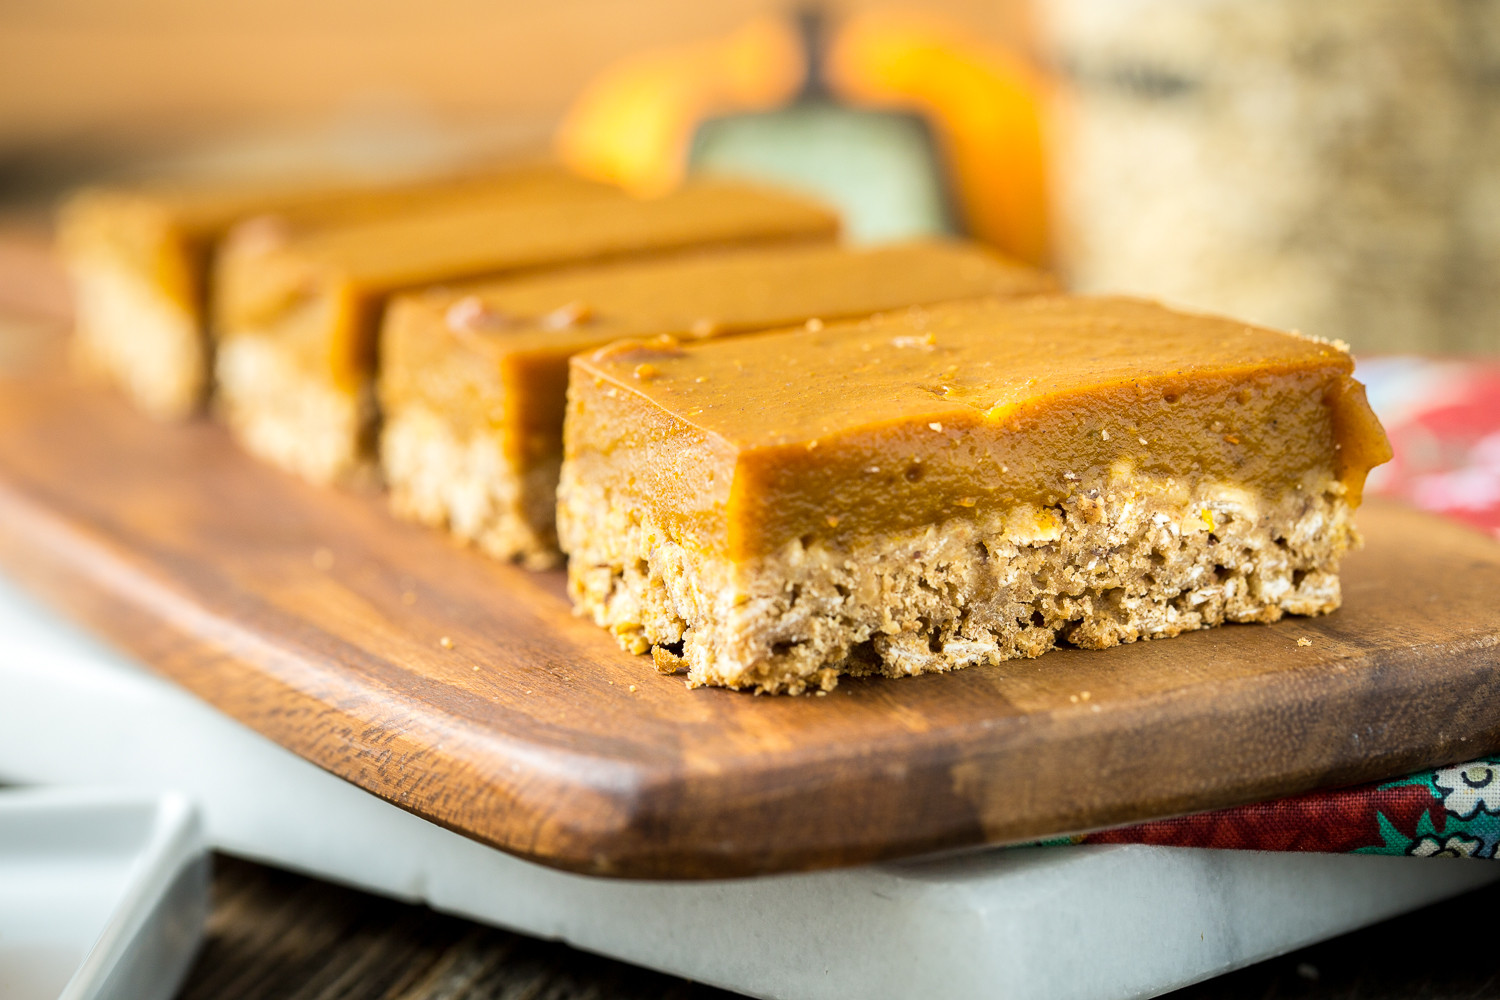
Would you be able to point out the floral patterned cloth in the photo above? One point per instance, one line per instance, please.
(1450, 812)
(1443, 418)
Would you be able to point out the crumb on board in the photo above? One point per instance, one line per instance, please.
(1304, 641)
(667, 662)
(632, 687)
(445, 642)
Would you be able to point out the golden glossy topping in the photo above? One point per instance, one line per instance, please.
(449, 349)
(915, 416)
(326, 290)
(167, 231)
(475, 240)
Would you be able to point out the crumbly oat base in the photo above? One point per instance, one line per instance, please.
(1119, 561)
(470, 487)
(285, 416)
(150, 346)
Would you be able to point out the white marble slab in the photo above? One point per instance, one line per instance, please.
(1083, 923)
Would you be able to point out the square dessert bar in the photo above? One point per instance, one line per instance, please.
(473, 384)
(298, 319)
(957, 485)
(140, 260)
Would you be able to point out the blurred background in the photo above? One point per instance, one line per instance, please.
(1332, 167)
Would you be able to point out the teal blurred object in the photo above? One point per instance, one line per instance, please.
(880, 169)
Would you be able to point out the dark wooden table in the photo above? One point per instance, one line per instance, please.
(283, 936)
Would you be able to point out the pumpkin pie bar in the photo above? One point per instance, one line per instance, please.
(299, 319)
(473, 383)
(958, 485)
(140, 259)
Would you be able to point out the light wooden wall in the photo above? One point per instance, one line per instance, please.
(72, 68)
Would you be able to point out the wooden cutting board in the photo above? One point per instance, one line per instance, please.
(314, 617)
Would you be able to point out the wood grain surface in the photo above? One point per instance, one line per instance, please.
(464, 690)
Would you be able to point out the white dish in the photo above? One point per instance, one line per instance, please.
(103, 893)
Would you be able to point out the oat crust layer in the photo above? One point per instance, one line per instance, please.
(1119, 561)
